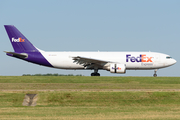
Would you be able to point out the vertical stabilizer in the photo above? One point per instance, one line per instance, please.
(19, 42)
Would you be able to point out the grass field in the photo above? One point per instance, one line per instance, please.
(91, 98)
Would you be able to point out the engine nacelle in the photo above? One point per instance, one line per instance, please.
(117, 68)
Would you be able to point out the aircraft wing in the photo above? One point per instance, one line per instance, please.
(89, 62)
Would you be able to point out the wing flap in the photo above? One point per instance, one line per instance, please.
(89, 62)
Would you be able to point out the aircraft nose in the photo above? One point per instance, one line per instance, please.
(171, 62)
(174, 61)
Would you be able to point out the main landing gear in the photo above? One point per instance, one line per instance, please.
(155, 75)
(95, 73)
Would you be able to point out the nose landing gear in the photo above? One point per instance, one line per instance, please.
(155, 75)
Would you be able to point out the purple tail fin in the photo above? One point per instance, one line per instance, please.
(19, 42)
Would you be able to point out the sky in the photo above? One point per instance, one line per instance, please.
(91, 25)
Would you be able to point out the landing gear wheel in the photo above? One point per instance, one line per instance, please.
(92, 74)
(155, 75)
(95, 74)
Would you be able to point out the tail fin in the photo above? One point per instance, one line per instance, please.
(19, 42)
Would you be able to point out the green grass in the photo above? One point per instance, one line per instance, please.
(110, 99)
(83, 79)
(70, 102)
(98, 83)
(92, 105)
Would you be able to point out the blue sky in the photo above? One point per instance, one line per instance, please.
(81, 25)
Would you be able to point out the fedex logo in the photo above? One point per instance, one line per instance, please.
(141, 58)
(18, 40)
(118, 68)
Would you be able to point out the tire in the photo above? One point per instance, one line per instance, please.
(97, 74)
(155, 75)
(92, 74)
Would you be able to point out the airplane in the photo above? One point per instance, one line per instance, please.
(115, 62)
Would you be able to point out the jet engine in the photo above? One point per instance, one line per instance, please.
(117, 68)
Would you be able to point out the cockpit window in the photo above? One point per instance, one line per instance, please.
(168, 57)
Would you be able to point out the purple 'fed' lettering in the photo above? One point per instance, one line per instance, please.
(140, 58)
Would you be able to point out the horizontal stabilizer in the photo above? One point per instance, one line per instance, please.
(18, 55)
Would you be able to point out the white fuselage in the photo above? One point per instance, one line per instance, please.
(132, 60)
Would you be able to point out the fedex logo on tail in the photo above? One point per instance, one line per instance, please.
(141, 58)
(18, 40)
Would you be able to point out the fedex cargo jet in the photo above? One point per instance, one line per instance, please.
(115, 62)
